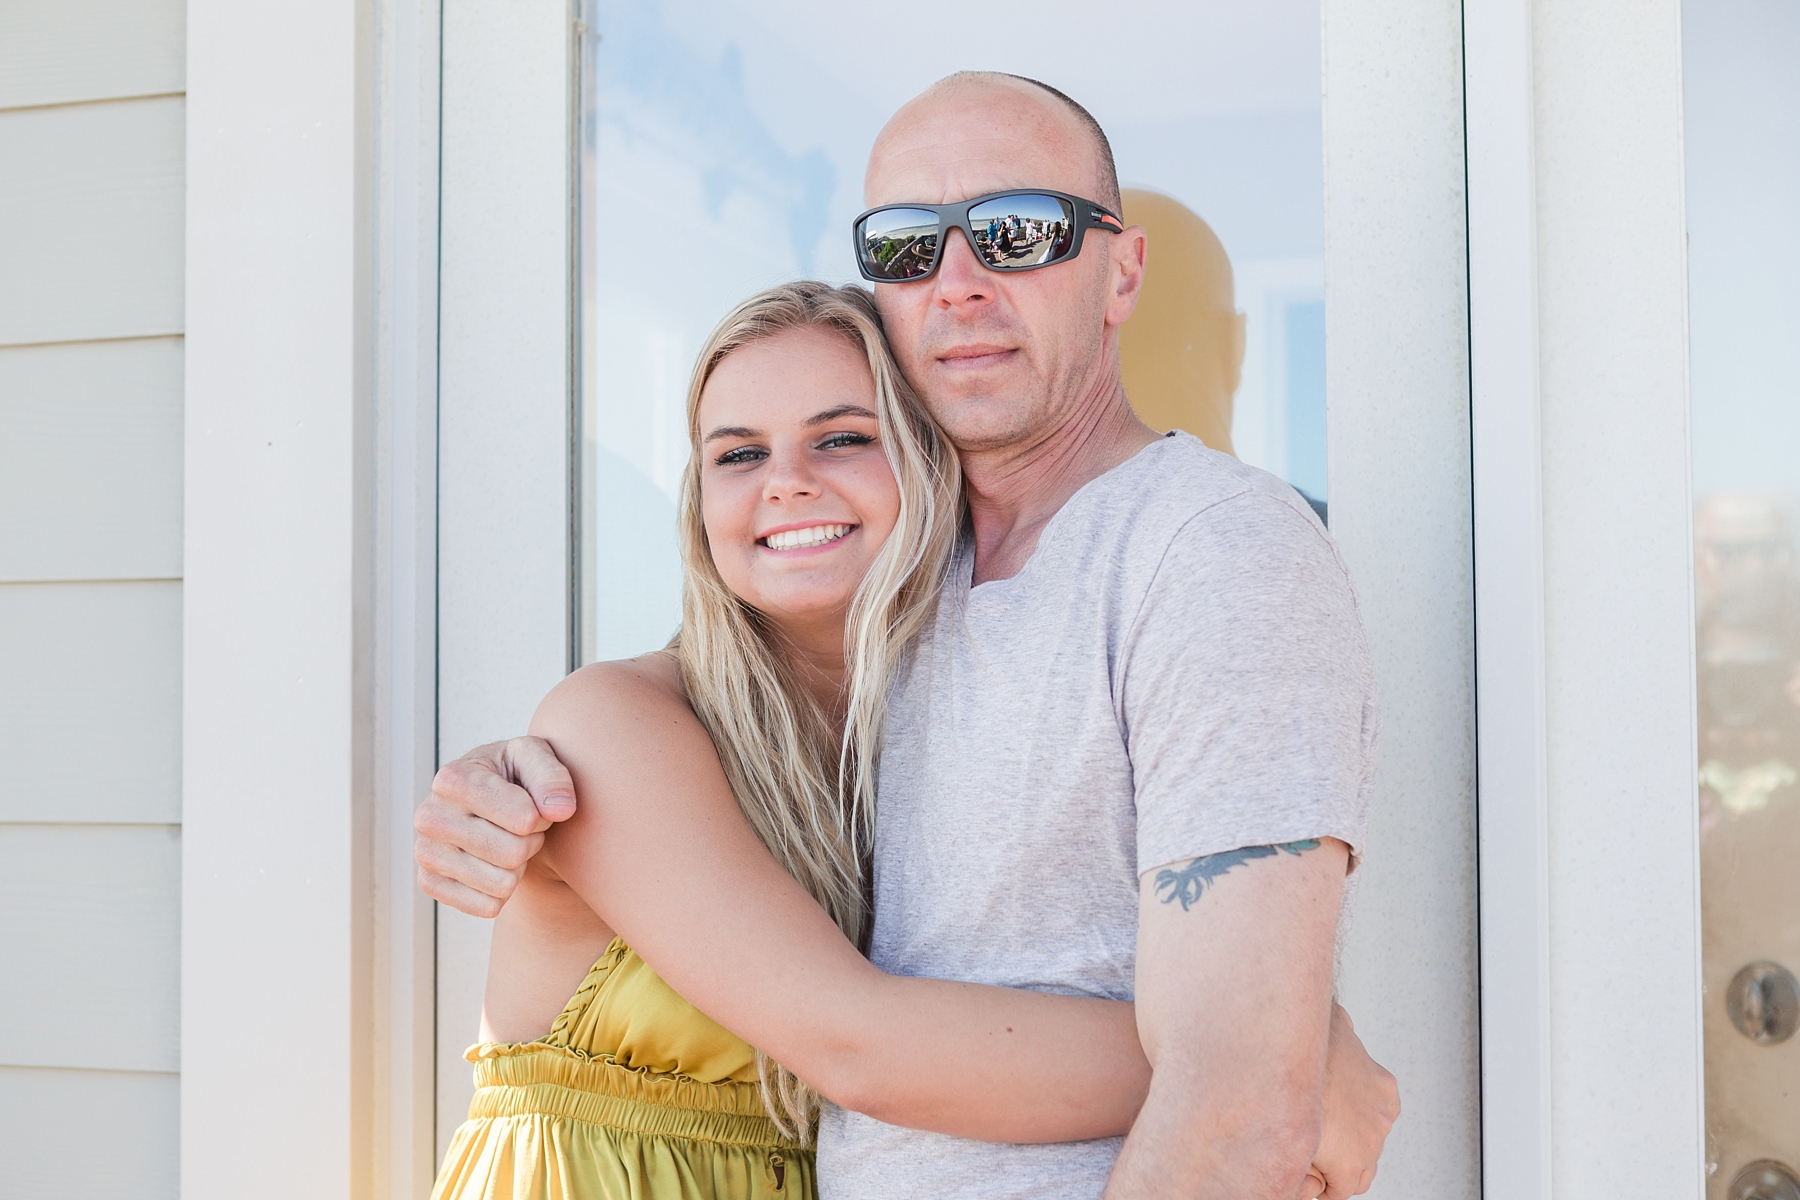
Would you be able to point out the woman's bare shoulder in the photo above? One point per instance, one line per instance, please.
(613, 719)
(622, 686)
(627, 735)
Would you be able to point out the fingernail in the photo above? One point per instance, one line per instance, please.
(559, 800)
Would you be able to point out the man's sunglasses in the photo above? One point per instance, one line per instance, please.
(1009, 231)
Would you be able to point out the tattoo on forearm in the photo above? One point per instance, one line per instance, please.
(1189, 882)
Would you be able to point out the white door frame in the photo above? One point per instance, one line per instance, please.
(1512, 723)
(505, 582)
(1398, 384)
(1490, 333)
(1399, 389)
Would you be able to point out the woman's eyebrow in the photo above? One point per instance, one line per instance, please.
(725, 431)
(842, 410)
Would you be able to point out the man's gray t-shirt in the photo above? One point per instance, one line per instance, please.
(1179, 669)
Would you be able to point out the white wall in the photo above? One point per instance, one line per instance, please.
(1398, 387)
(91, 179)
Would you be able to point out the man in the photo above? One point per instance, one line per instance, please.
(1130, 758)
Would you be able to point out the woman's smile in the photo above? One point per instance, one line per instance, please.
(794, 538)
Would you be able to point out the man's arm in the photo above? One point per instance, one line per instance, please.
(485, 818)
(1234, 1009)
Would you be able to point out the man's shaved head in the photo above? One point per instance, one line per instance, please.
(1108, 172)
(1019, 118)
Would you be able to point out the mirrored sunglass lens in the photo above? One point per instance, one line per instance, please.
(1022, 231)
(898, 243)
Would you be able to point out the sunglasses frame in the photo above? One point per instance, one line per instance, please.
(957, 216)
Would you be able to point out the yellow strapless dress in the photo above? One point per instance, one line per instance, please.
(635, 1094)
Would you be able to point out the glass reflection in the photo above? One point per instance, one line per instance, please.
(744, 128)
(1022, 231)
(900, 243)
(1742, 100)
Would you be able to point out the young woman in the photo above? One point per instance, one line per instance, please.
(726, 789)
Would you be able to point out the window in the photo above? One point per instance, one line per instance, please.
(724, 145)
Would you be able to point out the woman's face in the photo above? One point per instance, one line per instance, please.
(796, 491)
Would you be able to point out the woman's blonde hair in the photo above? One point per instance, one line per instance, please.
(808, 791)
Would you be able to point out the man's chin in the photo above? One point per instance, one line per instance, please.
(1003, 382)
(983, 421)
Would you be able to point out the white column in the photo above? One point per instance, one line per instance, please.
(307, 665)
(275, 913)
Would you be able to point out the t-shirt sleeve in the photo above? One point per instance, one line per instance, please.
(1246, 689)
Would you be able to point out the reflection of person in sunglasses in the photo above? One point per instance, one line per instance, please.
(1129, 755)
(918, 250)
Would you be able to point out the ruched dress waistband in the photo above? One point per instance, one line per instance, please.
(514, 1079)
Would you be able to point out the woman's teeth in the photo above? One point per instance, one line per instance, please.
(799, 539)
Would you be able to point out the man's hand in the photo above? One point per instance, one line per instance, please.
(1362, 1101)
(485, 818)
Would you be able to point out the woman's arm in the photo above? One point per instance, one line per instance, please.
(660, 851)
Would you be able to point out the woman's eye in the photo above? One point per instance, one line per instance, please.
(841, 441)
(743, 454)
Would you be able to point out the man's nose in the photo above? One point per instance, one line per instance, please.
(960, 278)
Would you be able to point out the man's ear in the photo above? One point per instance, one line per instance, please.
(1125, 273)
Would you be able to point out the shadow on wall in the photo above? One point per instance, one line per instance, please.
(1182, 352)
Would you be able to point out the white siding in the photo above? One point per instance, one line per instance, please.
(91, 230)
(91, 202)
(81, 413)
(90, 702)
(58, 53)
(88, 1135)
(91, 944)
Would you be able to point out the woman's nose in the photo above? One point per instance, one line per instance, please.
(790, 477)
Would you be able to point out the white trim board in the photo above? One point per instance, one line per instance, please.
(1589, 885)
(404, 637)
(503, 486)
(1509, 600)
